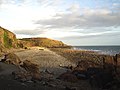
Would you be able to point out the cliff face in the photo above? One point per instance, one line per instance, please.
(43, 42)
(7, 39)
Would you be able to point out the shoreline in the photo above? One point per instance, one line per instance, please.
(76, 54)
(106, 50)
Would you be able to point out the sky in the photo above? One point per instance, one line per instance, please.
(75, 22)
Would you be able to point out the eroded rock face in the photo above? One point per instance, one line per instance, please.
(7, 38)
(118, 59)
(12, 58)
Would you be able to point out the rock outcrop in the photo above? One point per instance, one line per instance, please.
(7, 39)
(11, 58)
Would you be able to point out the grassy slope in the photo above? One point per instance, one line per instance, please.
(43, 42)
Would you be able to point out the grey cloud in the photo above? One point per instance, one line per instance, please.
(104, 34)
(82, 21)
(95, 30)
(104, 39)
(84, 18)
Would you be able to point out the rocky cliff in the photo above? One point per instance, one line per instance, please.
(7, 39)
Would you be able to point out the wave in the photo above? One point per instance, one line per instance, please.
(109, 50)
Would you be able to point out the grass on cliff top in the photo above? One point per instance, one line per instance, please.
(44, 42)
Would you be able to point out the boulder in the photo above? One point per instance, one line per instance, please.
(30, 67)
(11, 58)
(80, 74)
(36, 77)
(26, 76)
(69, 77)
(91, 71)
(22, 76)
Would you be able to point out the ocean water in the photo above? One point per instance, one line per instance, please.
(109, 50)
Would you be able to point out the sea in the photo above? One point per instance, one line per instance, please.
(108, 50)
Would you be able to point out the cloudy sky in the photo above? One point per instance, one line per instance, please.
(75, 22)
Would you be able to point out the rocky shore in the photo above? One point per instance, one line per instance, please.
(59, 69)
(98, 65)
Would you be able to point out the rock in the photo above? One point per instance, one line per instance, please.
(22, 76)
(108, 59)
(84, 64)
(23, 84)
(48, 72)
(92, 71)
(80, 74)
(45, 83)
(70, 67)
(52, 85)
(101, 78)
(7, 39)
(26, 76)
(23, 80)
(70, 88)
(118, 59)
(30, 67)
(47, 75)
(69, 77)
(36, 76)
(11, 58)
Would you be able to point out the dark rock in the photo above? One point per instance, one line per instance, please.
(52, 85)
(30, 67)
(92, 71)
(47, 75)
(80, 74)
(11, 58)
(68, 77)
(36, 76)
(70, 88)
(101, 78)
(22, 76)
(45, 83)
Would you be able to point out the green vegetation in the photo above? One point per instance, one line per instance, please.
(7, 40)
